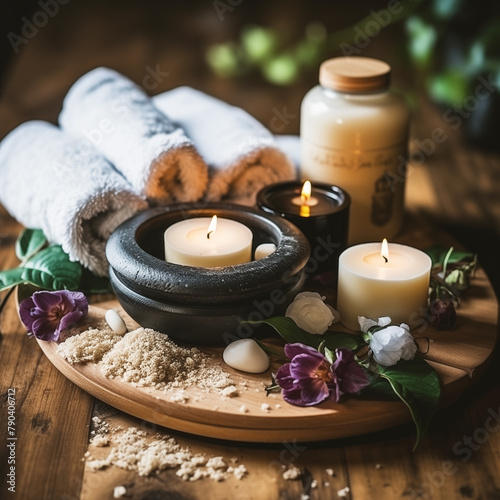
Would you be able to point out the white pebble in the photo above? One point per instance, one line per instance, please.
(119, 491)
(246, 355)
(263, 250)
(115, 322)
(344, 492)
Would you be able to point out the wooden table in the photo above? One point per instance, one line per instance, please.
(459, 457)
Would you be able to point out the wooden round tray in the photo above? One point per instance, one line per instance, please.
(459, 356)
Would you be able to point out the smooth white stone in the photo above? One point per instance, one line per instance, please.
(263, 250)
(115, 322)
(246, 355)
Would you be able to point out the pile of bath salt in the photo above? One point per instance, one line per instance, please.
(146, 357)
(132, 450)
(88, 346)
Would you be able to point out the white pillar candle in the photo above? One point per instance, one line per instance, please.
(373, 286)
(191, 242)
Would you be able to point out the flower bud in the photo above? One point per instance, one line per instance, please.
(442, 314)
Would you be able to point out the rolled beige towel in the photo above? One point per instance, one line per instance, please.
(53, 182)
(152, 153)
(241, 153)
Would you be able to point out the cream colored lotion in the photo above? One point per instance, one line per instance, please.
(354, 134)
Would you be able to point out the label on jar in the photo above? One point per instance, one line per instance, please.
(373, 178)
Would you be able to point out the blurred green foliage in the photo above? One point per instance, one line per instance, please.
(449, 42)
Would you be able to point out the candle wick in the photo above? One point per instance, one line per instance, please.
(208, 234)
(385, 258)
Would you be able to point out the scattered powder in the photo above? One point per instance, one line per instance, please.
(90, 345)
(133, 450)
(277, 405)
(344, 492)
(292, 473)
(119, 491)
(265, 407)
(379, 466)
(304, 496)
(99, 427)
(326, 483)
(179, 397)
(314, 484)
(145, 357)
(330, 472)
(243, 409)
(99, 440)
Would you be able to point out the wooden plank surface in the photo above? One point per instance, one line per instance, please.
(50, 411)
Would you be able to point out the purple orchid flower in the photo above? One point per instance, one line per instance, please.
(46, 314)
(310, 378)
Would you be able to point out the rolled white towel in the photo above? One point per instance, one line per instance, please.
(53, 182)
(152, 153)
(241, 153)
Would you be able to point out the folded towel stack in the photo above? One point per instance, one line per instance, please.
(66, 188)
(118, 148)
(119, 119)
(241, 153)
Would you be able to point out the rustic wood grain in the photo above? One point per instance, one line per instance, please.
(456, 357)
(51, 413)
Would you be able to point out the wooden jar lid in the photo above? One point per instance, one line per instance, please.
(355, 74)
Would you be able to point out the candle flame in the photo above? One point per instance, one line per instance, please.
(305, 194)
(384, 252)
(212, 227)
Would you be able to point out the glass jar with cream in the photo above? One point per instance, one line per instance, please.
(354, 133)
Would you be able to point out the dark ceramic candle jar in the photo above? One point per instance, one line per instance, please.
(325, 222)
(204, 305)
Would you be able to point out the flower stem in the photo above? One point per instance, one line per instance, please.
(445, 261)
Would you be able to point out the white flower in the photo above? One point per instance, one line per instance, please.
(389, 344)
(310, 313)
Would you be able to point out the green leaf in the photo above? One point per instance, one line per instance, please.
(289, 330)
(417, 385)
(449, 87)
(51, 269)
(334, 340)
(10, 278)
(422, 40)
(29, 242)
(378, 388)
(437, 253)
(329, 355)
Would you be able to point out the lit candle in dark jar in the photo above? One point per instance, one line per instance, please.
(320, 211)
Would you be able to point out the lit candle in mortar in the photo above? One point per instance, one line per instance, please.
(208, 242)
(375, 282)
